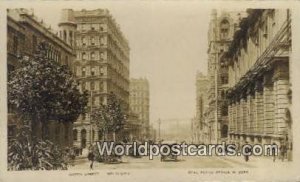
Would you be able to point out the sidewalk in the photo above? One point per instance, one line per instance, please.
(256, 161)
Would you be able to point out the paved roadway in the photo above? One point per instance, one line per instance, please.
(183, 162)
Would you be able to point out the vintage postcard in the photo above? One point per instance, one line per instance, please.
(149, 90)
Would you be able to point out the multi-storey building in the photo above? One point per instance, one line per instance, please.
(101, 65)
(259, 94)
(201, 105)
(24, 33)
(139, 102)
(221, 30)
(152, 133)
(132, 128)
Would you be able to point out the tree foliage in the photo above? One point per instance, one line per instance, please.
(43, 89)
(110, 117)
(25, 154)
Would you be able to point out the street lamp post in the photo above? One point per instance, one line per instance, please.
(159, 122)
(91, 111)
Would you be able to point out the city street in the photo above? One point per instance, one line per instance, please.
(183, 162)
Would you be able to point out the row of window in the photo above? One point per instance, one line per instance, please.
(92, 26)
(138, 101)
(91, 41)
(93, 85)
(91, 71)
(52, 53)
(83, 134)
(224, 29)
(67, 36)
(255, 46)
(139, 94)
(94, 55)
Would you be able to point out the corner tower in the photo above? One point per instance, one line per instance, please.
(67, 27)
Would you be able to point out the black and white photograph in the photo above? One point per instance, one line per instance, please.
(139, 86)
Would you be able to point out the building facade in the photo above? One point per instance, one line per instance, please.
(201, 105)
(222, 27)
(132, 128)
(101, 64)
(24, 33)
(140, 103)
(259, 93)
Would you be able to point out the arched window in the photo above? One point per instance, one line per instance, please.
(83, 86)
(100, 135)
(83, 71)
(92, 85)
(83, 138)
(224, 109)
(92, 55)
(75, 132)
(93, 135)
(65, 35)
(66, 132)
(224, 131)
(93, 71)
(92, 41)
(71, 37)
(57, 133)
(224, 29)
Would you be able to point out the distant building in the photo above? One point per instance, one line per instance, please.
(139, 102)
(222, 27)
(152, 133)
(24, 33)
(259, 78)
(101, 65)
(132, 128)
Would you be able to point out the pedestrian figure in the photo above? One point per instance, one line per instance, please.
(274, 152)
(91, 158)
(282, 151)
(247, 152)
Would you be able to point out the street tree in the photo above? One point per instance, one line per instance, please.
(109, 118)
(42, 89)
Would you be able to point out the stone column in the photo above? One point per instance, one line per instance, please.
(281, 88)
(269, 114)
(243, 117)
(70, 134)
(36, 127)
(78, 142)
(259, 107)
(230, 120)
(96, 135)
(252, 112)
(61, 134)
(248, 112)
(238, 117)
(233, 111)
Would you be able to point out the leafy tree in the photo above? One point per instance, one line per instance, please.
(41, 90)
(109, 118)
(24, 154)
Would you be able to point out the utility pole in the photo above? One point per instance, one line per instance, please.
(159, 122)
(91, 111)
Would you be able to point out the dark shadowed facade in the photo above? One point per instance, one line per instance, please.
(24, 33)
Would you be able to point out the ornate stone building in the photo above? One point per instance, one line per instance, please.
(139, 102)
(222, 27)
(24, 32)
(101, 65)
(259, 84)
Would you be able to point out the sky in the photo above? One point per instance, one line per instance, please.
(168, 43)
